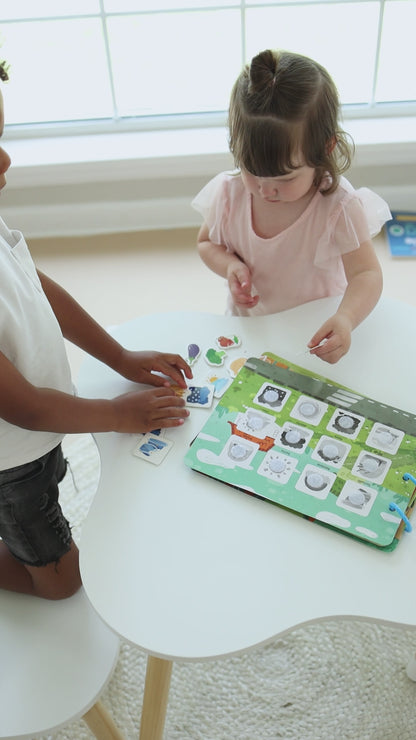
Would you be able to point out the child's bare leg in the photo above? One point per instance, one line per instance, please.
(53, 581)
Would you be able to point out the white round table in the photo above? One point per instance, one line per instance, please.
(190, 569)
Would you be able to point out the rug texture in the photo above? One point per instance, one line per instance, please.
(333, 680)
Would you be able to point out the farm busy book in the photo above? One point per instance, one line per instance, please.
(302, 442)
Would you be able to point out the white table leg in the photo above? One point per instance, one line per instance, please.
(155, 699)
(411, 668)
(101, 723)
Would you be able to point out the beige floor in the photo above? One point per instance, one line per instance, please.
(119, 276)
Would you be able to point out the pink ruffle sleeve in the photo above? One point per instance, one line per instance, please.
(212, 202)
(358, 217)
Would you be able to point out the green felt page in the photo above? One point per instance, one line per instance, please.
(317, 448)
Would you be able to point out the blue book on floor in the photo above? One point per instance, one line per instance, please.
(401, 234)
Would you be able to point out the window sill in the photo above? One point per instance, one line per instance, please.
(58, 160)
(130, 181)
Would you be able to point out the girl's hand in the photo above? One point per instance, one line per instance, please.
(141, 367)
(333, 338)
(143, 411)
(239, 282)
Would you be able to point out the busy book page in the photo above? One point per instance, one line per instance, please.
(300, 441)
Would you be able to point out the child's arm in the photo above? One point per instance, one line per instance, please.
(365, 283)
(80, 328)
(229, 266)
(45, 409)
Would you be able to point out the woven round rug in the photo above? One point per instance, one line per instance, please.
(336, 679)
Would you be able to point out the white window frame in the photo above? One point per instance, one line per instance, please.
(119, 123)
(184, 151)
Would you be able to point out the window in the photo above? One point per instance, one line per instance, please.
(139, 63)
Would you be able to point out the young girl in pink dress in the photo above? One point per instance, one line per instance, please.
(286, 228)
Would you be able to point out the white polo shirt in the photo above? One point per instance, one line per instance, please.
(31, 338)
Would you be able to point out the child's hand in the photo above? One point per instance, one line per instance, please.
(142, 366)
(334, 338)
(239, 282)
(143, 411)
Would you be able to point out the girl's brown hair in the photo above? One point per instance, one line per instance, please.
(284, 105)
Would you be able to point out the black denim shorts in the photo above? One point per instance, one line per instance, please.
(32, 524)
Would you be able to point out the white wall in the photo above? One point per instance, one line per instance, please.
(111, 183)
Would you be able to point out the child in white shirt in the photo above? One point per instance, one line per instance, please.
(38, 407)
